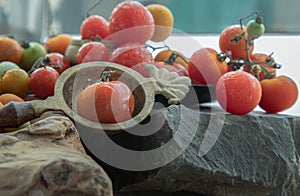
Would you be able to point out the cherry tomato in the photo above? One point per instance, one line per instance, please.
(131, 54)
(94, 26)
(227, 42)
(238, 92)
(260, 58)
(278, 94)
(204, 67)
(178, 68)
(255, 28)
(92, 51)
(57, 61)
(32, 51)
(165, 55)
(106, 102)
(130, 21)
(42, 81)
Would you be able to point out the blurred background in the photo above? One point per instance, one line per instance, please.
(36, 19)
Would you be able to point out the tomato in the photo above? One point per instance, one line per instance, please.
(94, 26)
(130, 21)
(57, 61)
(165, 54)
(106, 102)
(32, 51)
(266, 62)
(42, 81)
(238, 47)
(131, 54)
(255, 28)
(10, 50)
(163, 20)
(179, 69)
(238, 92)
(278, 94)
(92, 51)
(204, 67)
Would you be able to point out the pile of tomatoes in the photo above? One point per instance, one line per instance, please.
(243, 79)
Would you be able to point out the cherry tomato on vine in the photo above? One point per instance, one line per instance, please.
(255, 28)
(42, 81)
(94, 26)
(265, 62)
(106, 102)
(204, 67)
(92, 51)
(58, 61)
(228, 41)
(278, 94)
(238, 92)
(131, 54)
(130, 21)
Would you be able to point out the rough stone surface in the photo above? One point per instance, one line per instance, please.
(47, 158)
(255, 154)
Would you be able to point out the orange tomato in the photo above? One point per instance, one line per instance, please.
(10, 50)
(163, 20)
(165, 54)
(204, 67)
(238, 47)
(58, 43)
(8, 97)
(278, 94)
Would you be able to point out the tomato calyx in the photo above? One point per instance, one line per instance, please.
(105, 76)
(42, 62)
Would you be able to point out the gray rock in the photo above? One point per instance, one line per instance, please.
(254, 154)
(47, 158)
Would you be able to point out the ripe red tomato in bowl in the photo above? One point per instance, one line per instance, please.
(92, 51)
(205, 68)
(106, 102)
(131, 54)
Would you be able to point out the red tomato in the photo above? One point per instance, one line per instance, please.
(42, 81)
(94, 26)
(92, 51)
(260, 58)
(106, 102)
(57, 61)
(130, 21)
(131, 54)
(238, 49)
(238, 92)
(176, 67)
(278, 94)
(204, 67)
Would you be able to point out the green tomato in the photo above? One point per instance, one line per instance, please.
(7, 65)
(32, 51)
(255, 29)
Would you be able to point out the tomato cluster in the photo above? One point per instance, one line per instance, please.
(251, 79)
